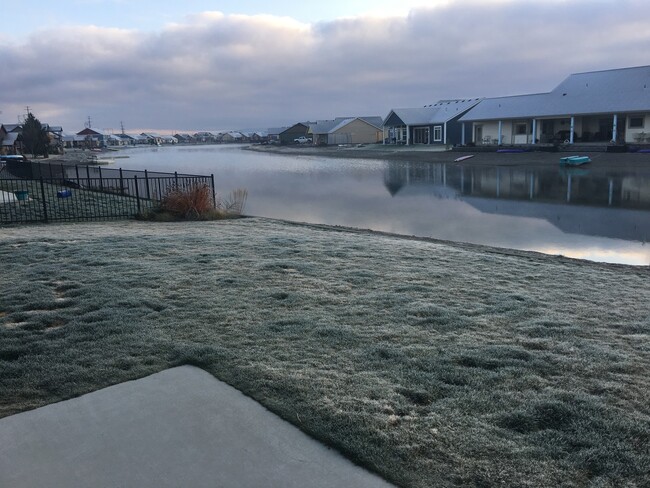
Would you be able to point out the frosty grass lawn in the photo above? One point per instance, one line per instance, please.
(430, 363)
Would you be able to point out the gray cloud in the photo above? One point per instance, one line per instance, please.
(216, 71)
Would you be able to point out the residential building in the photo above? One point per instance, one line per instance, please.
(606, 107)
(347, 130)
(432, 124)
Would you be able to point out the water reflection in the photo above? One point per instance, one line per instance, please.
(573, 200)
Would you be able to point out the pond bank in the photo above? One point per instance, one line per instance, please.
(600, 160)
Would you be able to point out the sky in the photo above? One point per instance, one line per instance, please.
(214, 65)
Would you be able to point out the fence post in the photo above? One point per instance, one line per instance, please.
(88, 176)
(101, 181)
(76, 170)
(214, 195)
(137, 192)
(176, 178)
(146, 181)
(62, 173)
(121, 183)
(44, 202)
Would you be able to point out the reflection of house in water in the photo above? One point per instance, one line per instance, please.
(573, 200)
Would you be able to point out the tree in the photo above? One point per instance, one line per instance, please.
(35, 137)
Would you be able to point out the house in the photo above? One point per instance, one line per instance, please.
(11, 139)
(273, 134)
(91, 138)
(55, 136)
(611, 106)
(301, 129)
(205, 137)
(431, 124)
(233, 136)
(347, 130)
(127, 140)
(184, 138)
(153, 139)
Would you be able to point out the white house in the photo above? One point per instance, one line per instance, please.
(611, 106)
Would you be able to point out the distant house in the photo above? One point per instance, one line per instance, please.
(205, 137)
(91, 138)
(152, 138)
(347, 130)
(184, 138)
(301, 129)
(273, 134)
(432, 124)
(611, 106)
(11, 139)
(233, 136)
(127, 140)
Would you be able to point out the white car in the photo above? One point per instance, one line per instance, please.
(302, 140)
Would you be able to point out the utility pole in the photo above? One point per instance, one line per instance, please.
(88, 124)
(122, 126)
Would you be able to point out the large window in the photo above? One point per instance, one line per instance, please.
(521, 128)
(437, 133)
(636, 122)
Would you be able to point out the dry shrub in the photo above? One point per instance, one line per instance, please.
(234, 203)
(188, 202)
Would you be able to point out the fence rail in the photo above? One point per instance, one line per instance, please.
(74, 193)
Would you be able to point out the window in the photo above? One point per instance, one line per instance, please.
(437, 133)
(636, 122)
(521, 129)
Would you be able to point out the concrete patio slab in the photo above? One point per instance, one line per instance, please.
(180, 427)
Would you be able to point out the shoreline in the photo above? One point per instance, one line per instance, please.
(600, 160)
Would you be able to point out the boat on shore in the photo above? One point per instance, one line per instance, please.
(575, 160)
(463, 158)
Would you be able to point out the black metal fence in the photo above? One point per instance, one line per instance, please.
(78, 193)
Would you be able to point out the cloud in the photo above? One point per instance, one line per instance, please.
(226, 71)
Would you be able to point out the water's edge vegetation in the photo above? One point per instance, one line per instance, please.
(434, 364)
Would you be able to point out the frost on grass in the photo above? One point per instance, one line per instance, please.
(435, 365)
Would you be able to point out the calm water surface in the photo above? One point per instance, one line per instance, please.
(574, 212)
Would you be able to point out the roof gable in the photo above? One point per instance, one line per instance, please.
(438, 113)
(88, 132)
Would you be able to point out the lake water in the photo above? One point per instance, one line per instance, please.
(573, 212)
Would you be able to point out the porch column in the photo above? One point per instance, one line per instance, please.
(444, 138)
(462, 134)
(573, 124)
(534, 131)
(614, 128)
(408, 135)
(383, 135)
(500, 131)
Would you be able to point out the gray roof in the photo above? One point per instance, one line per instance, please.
(596, 92)
(438, 113)
(10, 139)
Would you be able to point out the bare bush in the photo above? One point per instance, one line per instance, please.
(234, 203)
(188, 202)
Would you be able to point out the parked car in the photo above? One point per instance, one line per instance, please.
(302, 140)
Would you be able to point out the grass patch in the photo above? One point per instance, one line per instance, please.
(432, 364)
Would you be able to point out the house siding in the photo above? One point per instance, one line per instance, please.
(356, 132)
